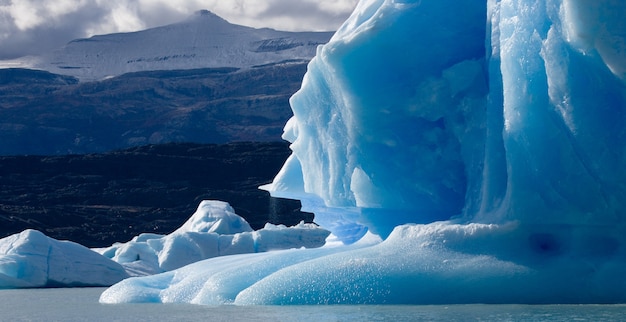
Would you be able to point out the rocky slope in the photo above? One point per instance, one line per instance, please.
(47, 114)
(98, 199)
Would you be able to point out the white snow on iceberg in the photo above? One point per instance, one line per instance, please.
(485, 140)
(213, 230)
(219, 280)
(31, 259)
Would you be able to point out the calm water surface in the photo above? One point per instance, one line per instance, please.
(82, 305)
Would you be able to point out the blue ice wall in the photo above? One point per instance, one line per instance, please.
(564, 111)
(390, 114)
(419, 111)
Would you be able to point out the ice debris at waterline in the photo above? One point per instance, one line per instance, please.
(31, 259)
(490, 134)
(213, 230)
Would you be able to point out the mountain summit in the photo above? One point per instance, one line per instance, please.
(207, 17)
(203, 40)
(208, 14)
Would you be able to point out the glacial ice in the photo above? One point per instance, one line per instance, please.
(31, 259)
(213, 230)
(483, 140)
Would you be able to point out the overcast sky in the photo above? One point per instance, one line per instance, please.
(35, 26)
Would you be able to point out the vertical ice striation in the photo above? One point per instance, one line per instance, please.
(415, 113)
(395, 97)
(564, 107)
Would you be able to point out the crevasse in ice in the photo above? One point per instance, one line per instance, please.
(484, 140)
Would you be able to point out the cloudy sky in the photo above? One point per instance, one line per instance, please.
(35, 26)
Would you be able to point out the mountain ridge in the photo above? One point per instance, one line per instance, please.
(48, 114)
(203, 40)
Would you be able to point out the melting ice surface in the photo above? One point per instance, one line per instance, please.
(483, 140)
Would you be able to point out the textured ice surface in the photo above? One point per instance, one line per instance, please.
(411, 115)
(439, 263)
(214, 216)
(218, 280)
(31, 259)
(490, 134)
(213, 230)
(397, 96)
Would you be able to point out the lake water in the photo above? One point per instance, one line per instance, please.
(81, 304)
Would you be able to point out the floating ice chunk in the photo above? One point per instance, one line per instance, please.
(213, 230)
(31, 259)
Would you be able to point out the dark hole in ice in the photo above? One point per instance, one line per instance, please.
(544, 243)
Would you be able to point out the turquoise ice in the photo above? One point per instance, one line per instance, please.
(484, 141)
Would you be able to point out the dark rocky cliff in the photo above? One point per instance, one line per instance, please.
(98, 199)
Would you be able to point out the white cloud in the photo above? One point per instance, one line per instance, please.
(24, 15)
(121, 16)
(34, 26)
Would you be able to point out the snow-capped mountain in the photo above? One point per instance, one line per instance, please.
(201, 80)
(204, 40)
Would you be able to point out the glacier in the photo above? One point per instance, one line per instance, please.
(482, 140)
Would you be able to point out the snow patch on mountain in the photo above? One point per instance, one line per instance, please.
(204, 40)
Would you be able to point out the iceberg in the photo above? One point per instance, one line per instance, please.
(31, 259)
(213, 230)
(389, 118)
(484, 141)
